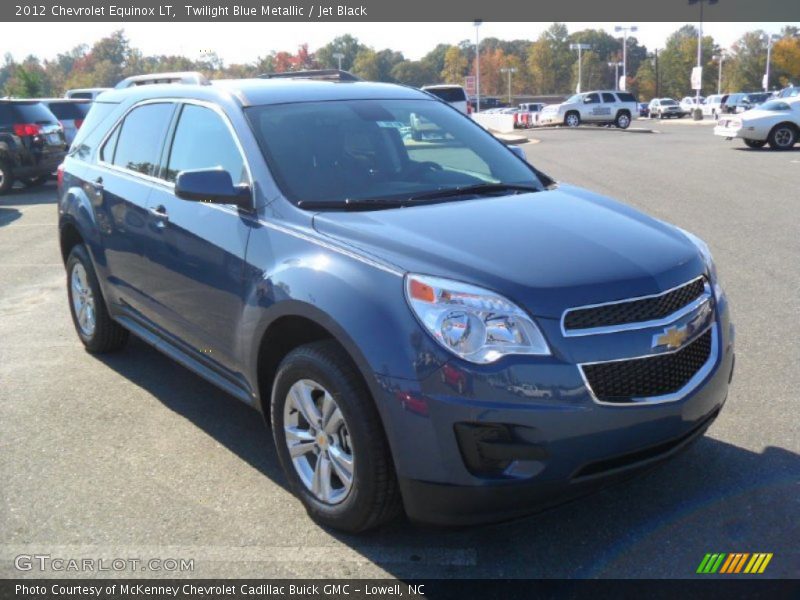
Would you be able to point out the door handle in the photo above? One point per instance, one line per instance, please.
(160, 213)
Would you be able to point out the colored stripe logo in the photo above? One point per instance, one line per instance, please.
(736, 562)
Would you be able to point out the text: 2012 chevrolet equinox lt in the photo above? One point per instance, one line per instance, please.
(427, 321)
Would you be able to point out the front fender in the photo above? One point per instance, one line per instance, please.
(362, 304)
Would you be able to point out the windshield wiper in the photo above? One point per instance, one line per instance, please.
(423, 198)
(480, 188)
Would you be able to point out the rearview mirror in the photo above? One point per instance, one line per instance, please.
(211, 185)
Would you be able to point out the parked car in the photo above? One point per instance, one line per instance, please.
(776, 122)
(85, 93)
(689, 103)
(285, 242)
(528, 114)
(601, 107)
(737, 103)
(754, 99)
(713, 105)
(644, 109)
(789, 92)
(452, 94)
(32, 143)
(70, 113)
(666, 108)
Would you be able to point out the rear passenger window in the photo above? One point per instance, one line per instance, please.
(140, 138)
(626, 97)
(609, 98)
(203, 141)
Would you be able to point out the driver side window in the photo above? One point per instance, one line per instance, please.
(592, 98)
(202, 140)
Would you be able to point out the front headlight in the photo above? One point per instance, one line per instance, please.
(705, 252)
(471, 322)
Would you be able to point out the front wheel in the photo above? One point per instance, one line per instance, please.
(782, 137)
(623, 120)
(572, 119)
(96, 329)
(330, 440)
(755, 143)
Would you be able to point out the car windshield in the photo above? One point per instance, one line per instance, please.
(668, 103)
(368, 150)
(574, 99)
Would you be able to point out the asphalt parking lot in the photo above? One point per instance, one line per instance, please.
(132, 456)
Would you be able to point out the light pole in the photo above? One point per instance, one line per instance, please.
(509, 70)
(700, 49)
(579, 48)
(771, 37)
(477, 25)
(720, 58)
(616, 66)
(625, 31)
(338, 56)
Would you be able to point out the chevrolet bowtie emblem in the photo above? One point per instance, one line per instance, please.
(671, 338)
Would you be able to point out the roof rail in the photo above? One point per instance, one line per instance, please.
(153, 78)
(321, 74)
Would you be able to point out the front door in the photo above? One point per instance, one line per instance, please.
(197, 249)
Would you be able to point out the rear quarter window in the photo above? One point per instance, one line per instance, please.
(99, 119)
(69, 110)
(626, 97)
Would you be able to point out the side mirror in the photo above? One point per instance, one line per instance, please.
(518, 151)
(211, 185)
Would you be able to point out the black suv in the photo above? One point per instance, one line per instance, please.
(32, 143)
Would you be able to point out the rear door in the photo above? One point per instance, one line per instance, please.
(196, 250)
(121, 181)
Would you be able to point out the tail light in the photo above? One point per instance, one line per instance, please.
(26, 129)
(78, 123)
(60, 176)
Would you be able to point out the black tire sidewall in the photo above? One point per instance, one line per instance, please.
(352, 512)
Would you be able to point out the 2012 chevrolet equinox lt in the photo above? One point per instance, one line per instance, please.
(427, 321)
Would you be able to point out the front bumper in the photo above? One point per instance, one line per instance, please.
(572, 443)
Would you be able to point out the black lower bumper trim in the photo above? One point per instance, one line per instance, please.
(454, 505)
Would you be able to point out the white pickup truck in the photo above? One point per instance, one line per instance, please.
(601, 107)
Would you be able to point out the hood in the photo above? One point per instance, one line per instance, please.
(547, 251)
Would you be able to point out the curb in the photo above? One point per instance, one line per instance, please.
(599, 128)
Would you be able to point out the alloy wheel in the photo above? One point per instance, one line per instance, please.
(83, 303)
(318, 441)
(784, 137)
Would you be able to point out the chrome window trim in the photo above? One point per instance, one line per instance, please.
(690, 386)
(671, 318)
(176, 101)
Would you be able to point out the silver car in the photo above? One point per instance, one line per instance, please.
(70, 113)
(617, 108)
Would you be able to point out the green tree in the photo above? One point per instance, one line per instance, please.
(414, 72)
(366, 65)
(748, 62)
(678, 59)
(549, 61)
(455, 66)
(344, 44)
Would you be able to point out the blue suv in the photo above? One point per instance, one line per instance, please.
(426, 321)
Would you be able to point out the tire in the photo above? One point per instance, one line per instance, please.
(782, 137)
(755, 143)
(623, 120)
(35, 181)
(6, 177)
(572, 119)
(320, 371)
(106, 335)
